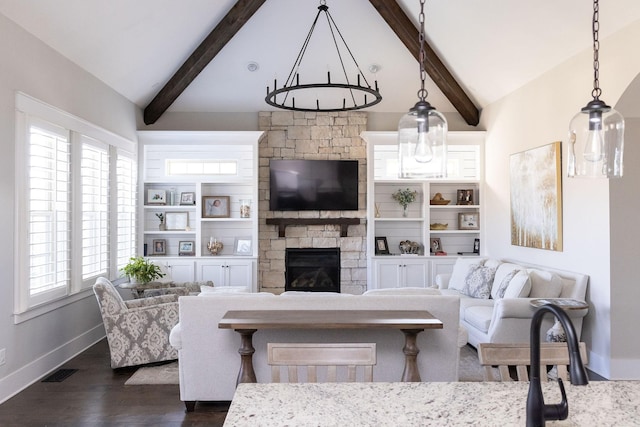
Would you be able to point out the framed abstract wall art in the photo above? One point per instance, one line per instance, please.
(536, 197)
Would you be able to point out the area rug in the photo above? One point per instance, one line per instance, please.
(152, 375)
(469, 370)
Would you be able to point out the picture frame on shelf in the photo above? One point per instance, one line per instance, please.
(242, 246)
(186, 248)
(215, 207)
(159, 247)
(177, 221)
(382, 247)
(156, 196)
(465, 197)
(435, 246)
(468, 221)
(188, 198)
(476, 246)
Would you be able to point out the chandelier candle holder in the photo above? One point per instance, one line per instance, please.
(596, 133)
(353, 96)
(422, 132)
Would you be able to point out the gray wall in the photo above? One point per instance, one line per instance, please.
(39, 345)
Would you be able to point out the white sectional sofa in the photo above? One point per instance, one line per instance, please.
(495, 297)
(209, 360)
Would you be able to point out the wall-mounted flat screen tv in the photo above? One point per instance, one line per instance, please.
(300, 185)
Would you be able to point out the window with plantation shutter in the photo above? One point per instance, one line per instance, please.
(75, 206)
(49, 211)
(94, 173)
(126, 172)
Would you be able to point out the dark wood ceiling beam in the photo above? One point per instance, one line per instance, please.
(406, 31)
(239, 14)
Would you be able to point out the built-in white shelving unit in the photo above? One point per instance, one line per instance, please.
(457, 226)
(188, 168)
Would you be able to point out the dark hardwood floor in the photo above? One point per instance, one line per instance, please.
(95, 395)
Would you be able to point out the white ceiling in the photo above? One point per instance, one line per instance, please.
(491, 47)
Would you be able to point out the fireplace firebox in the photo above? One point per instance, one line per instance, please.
(312, 270)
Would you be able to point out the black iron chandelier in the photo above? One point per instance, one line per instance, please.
(353, 96)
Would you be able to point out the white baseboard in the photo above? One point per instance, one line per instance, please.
(599, 365)
(17, 381)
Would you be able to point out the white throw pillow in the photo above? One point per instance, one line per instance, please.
(544, 284)
(500, 287)
(305, 294)
(504, 273)
(519, 286)
(492, 262)
(460, 272)
(478, 281)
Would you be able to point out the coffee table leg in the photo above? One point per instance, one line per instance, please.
(246, 350)
(411, 372)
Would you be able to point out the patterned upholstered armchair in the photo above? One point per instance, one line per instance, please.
(137, 330)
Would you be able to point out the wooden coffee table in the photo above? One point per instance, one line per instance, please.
(410, 322)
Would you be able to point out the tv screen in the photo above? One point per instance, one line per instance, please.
(299, 185)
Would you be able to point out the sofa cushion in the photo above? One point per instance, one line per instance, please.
(455, 293)
(479, 317)
(504, 273)
(478, 281)
(467, 302)
(544, 284)
(460, 272)
(519, 285)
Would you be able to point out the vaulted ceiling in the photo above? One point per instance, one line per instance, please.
(490, 48)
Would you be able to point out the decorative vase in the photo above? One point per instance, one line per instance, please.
(405, 211)
(245, 208)
(214, 246)
(162, 226)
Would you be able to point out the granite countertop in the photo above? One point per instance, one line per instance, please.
(602, 403)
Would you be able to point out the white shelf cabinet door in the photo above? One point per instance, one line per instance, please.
(213, 270)
(400, 273)
(226, 272)
(415, 273)
(387, 274)
(180, 270)
(240, 273)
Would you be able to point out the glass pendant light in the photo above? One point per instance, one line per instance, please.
(422, 132)
(596, 133)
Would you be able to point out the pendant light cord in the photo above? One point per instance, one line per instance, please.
(596, 92)
(422, 93)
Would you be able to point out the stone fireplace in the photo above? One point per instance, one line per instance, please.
(312, 270)
(311, 135)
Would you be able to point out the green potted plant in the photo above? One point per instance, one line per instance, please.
(404, 197)
(141, 270)
(162, 226)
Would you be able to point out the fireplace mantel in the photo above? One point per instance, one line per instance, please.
(282, 223)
